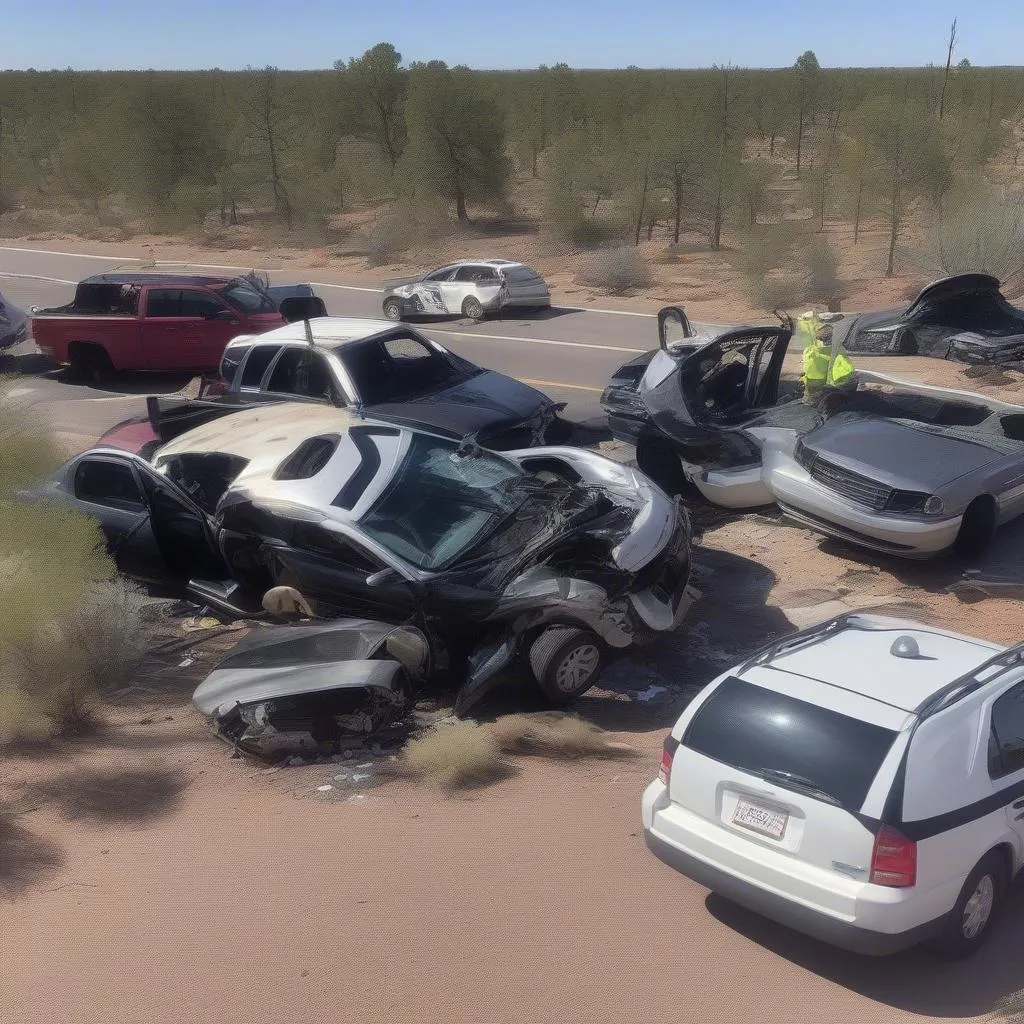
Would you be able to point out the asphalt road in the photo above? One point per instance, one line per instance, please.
(568, 353)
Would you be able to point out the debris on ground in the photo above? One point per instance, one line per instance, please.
(977, 583)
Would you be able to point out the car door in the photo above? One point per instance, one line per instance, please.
(465, 282)
(108, 488)
(693, 394)
(525, 287)
(186, 329)
(300, 372)
(435, 293)
(332, 568)
(1006, 755)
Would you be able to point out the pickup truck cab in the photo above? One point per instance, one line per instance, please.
(155, 322)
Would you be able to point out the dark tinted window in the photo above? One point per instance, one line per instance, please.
(301, 372)
(521, 274)
(245, 296)
(476, 273)
(754, 729)
(256, 365)
(231, 360)
(195, 303)
(398, 369)
(444, 274)
(1006, 752)
(163, 302)
(108, 483)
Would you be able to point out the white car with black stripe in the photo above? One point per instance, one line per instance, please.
(861, 781)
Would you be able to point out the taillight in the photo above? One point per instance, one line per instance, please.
(668, 752)
(894, 859)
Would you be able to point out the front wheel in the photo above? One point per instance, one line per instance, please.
(970, 922)
(472, 308)
(90, 364)
(393, 309)
(566, 662)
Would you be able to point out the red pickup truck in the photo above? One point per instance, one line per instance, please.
(158, 322)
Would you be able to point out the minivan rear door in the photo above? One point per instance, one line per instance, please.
(780, 776)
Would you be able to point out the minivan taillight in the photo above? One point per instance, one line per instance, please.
(894, 859)
(668, 752)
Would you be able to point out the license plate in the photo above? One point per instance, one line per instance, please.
(760, 819)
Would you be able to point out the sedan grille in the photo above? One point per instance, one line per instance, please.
(859, 489)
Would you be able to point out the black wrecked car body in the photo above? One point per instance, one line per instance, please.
(566, 551)
(964, 318)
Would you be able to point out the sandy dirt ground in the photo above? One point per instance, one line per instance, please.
(145, 874)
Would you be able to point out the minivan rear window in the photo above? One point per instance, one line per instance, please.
(755, 729)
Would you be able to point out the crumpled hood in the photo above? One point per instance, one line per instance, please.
(487, 403)
(896, 454)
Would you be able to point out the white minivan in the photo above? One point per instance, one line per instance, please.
(861, 781)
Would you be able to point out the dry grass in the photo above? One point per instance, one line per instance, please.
(464, 755)
(459, 755)
(556, 735)
(619, 272)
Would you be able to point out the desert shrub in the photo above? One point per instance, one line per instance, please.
(453, 756)
(619, 272)
(820, 272)
(386, 238)
(67, 626)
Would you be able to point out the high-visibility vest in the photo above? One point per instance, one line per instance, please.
(821, 368)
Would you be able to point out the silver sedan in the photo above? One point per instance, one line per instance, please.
(472, 288)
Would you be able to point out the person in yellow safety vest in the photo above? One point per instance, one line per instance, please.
(820, 369)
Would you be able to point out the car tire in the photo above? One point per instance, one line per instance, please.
(970, 922)
(472, 309)
(566, 662)
(89, 364)
(905, 342)
(393, 309)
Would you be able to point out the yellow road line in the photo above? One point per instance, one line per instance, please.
(556, 384)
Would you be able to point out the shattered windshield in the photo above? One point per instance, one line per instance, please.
(439, 502)
(247, 298)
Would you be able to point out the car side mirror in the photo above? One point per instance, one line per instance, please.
(383, 578)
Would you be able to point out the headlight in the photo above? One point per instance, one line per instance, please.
(914, 501)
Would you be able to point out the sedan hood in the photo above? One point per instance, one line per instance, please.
(896, 453)
(486, 404)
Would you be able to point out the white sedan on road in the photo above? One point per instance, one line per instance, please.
(471, 288)
(861, 781)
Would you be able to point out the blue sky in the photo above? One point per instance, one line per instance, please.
(105, 34)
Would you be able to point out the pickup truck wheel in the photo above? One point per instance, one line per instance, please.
(90, 364)
(393, 309)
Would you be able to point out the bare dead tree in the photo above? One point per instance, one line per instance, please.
(834, 114)
(269, 129)
(724, 127)
(949, 61)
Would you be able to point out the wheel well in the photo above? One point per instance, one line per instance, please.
(85, 346)
(1006, 853)
(977, 525)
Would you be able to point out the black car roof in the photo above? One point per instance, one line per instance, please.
(168, 279)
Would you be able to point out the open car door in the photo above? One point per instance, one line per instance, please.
(695, 396)
(675, 333)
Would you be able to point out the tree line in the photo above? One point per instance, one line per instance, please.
(616, 156)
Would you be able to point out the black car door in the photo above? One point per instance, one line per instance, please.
(332, 569)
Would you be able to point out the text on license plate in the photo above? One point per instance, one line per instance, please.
(760, 819)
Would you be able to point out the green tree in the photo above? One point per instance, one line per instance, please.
(456, 148)
(375, 90)
(806, 82)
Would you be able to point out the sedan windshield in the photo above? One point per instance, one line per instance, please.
(248, 299)
(440, 502)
